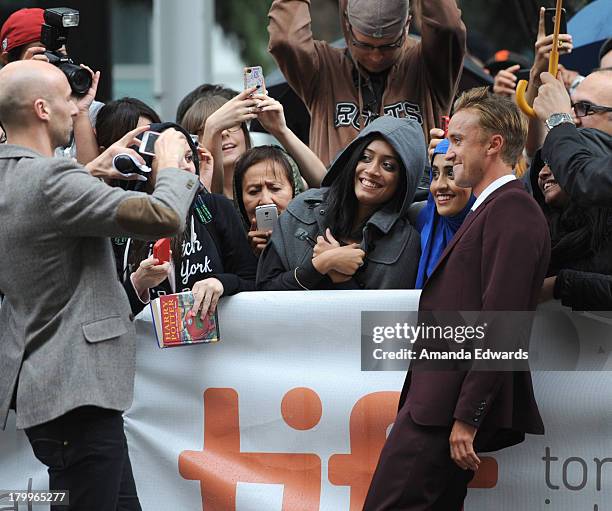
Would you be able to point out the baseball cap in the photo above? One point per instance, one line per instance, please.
(504, 59)
(22, 27)
(377, 18)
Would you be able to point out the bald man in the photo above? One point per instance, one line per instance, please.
(595, 90)
(66, 336)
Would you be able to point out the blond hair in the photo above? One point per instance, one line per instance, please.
(498, 115)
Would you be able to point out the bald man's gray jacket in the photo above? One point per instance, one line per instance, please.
(66, 335)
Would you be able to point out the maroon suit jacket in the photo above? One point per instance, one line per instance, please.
(496, 261)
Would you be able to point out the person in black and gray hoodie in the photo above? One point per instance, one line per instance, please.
(353, 233)
(212, 258)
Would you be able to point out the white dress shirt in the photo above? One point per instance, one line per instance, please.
(498, 183)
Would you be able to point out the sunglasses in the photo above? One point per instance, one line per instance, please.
(584, 108)
(398, 43)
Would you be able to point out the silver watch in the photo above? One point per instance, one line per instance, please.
(556, 119)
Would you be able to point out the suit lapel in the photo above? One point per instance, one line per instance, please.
(467, 222)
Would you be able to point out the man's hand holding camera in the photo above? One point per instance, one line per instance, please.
(102, 166)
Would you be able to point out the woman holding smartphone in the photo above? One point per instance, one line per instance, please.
(265, 177)
(353, 233)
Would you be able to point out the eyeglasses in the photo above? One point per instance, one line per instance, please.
(584, 108)
(382, 47)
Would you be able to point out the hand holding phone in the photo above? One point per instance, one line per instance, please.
(161, 250)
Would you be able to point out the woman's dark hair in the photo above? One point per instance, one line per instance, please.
(118, 117)
(268, 153)
(577, 233)
(341, 199)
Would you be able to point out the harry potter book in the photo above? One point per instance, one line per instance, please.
(176, 325)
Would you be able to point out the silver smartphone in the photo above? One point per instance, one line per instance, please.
(266, 216)
(147, 145)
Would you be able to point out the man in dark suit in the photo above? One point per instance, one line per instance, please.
(496, 262)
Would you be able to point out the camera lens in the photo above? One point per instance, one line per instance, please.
(78, 78)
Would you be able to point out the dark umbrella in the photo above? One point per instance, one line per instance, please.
(296, 113)
(590, 27)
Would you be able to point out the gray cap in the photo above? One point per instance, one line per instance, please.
(377, 18)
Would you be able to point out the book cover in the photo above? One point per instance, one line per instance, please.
(176, 325)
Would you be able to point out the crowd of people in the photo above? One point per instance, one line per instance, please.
(517, 213)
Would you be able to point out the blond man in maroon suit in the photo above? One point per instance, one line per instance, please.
(496, 262)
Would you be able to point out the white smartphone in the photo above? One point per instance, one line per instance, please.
(266, 216)
(147, 145)
(254, 77)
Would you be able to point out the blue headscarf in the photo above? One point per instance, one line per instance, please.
(436, 231)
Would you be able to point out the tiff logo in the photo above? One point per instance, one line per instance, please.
(221, 465)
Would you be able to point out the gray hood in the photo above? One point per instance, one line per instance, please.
(406, 137)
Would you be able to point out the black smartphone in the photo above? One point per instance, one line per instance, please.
(549, 21)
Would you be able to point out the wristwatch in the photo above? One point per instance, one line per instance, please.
(556, 119)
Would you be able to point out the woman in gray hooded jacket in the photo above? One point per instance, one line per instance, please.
(353, 233)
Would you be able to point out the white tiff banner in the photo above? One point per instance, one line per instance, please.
(279, 416)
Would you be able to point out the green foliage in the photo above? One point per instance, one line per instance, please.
(247, 21)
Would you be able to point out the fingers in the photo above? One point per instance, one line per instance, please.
(246, 93)
(541, 25)
(215, 300)
(95, 80)
(436, 133)
(130, 137)
(132, 176)
(546, 77)
(545, 45)
(206, 301)
(89, 69)
(462, 453)
(206, 295)
(505, 81)
(197, 301)
(270, 105)
(330, 238)
(36, 53)
(512, 69)
(259, 237)
(437, 137)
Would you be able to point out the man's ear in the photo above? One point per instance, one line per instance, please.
(496, 143)
(41, 109)
(4, 59)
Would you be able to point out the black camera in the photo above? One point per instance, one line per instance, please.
(53, 36)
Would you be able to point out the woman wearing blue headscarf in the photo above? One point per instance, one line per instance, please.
(447, 206)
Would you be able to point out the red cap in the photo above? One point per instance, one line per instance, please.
(22, 27)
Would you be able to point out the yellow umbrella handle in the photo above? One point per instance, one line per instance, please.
(553, 65)
(521, 101)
